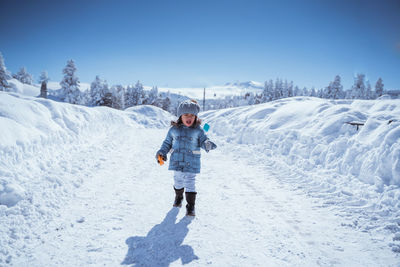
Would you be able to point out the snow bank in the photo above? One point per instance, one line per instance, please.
(33, 128)
(150, 116)
(38, 139)
(25, 89)
(312, 133)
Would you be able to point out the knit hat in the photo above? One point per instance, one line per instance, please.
(188, 107)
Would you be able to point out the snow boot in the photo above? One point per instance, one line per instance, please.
(190, 199)
(178, 197)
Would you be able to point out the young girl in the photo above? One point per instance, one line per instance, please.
(184, 140)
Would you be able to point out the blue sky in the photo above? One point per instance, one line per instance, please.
(202, 43)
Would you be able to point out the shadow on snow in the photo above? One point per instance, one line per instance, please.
(162, 245)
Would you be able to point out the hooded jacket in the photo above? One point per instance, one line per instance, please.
(184, 143)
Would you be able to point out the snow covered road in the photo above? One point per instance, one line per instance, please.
(289, 185)
(246, 216)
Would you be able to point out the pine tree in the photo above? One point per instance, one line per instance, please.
(129, 96)
(70, 84)
(98, 91)
(268, 92)
(358, 89)
(4, 75)
(23, 76)
(297, 91)
(118, 97)
(107, 101)
(290, 89)
(153, 96)
(320, 93)
(278, 89)
(166, 104)
(368, 91)
(306, 92)
(313, 93)
(135, 95)
(334, 90)
(379, 88)
(285, 89)
(43, 80)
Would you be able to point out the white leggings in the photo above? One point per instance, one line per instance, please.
(185, 180)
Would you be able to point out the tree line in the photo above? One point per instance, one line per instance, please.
(120, 97)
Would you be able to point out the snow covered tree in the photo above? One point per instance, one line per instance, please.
(4, 75)
(166, 104)
(118, 97)
(98, 91)
(320, 93)
(250, 98)
(43, 80)
(70, 84)
(358, 89)
(107, 101)
(44, 77)
(134, 95)
(335, 89)
(312, 92)
(278, 89)
(290, 89)
(379, 88)
(153, 96)
(368, 91)
(85, 98)
(285, 89)
(23, 76)
(268, 92)
(297, 91)
(305, 92)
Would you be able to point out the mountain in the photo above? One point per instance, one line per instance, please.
(246, 85)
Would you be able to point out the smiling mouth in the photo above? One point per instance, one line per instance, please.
(188, 122)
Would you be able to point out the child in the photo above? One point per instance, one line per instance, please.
(184, 139)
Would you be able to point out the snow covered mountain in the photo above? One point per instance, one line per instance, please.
(294, 182)
(246, 85)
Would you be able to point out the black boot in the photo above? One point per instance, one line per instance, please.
(190, 199)
(178, 197)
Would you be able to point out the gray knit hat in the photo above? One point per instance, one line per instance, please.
(189, 107)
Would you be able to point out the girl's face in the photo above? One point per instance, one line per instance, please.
(188, 119)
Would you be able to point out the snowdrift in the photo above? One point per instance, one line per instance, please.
(311, 133)
(34, 130)
(24, 89)
(150, 116)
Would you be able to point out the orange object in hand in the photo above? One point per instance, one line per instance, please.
(160, 160)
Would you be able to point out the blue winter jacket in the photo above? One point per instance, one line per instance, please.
(185, 143)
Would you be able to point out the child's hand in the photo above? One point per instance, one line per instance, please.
(164, 157)
(209, 145)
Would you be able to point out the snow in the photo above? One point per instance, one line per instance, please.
(24, 89)
(291, 184)
(145, 114)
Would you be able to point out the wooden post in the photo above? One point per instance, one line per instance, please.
(357, 124)
(43, 90)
